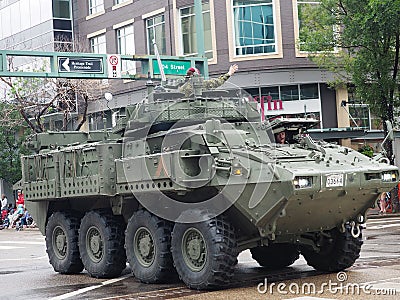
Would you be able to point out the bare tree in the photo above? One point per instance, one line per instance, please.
(34, 98)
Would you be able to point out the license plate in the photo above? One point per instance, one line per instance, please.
(334, 180)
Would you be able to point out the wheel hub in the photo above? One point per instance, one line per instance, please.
(144, 246)
(94, 244)
(59, 242)
(194, 249)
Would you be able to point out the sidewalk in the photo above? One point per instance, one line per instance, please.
(373, 213)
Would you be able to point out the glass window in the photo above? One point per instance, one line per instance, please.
(359, 116)
(272, 91)
(98, 44)
(188, 29)
(309, 91)
(289, 92)
(126, 45)
(156, 31)
(254, 27)
(254, 92)
(61, 9)
(303, 7)
(95, 6)
(306, 28)
(120, 1)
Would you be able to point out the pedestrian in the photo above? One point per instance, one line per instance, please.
(26, 219)
(20, 198)
(17, 215)
(383, 203)
(187, 87)
(3, 202)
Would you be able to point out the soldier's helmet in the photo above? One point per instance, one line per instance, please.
(192, 71)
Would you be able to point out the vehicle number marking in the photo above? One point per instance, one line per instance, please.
(334, 180)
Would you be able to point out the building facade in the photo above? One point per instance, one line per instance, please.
(261, 36)
(40, 25)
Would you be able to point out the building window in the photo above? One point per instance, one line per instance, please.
(290, 100)
(126, 46)
(272, 91)
(309, 91)
(289, 92)
(156, 30)
(116, 2)
(95, 6)
(61, 9)
(254, 29)
(98, 44)
(359, 116)
(306, 30)
(304, 7)
(189, 33)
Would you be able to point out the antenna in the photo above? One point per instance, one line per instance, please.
(160, 66)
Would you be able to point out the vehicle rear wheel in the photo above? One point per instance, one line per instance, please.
(148, 248)
(275, 256)
(337, 252)
(204, 253)
(62, 243)
(101, 244)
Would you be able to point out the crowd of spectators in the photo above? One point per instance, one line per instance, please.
(15, 217)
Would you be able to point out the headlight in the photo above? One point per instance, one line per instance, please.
(237, 171)
(302, 182)
(389, 176)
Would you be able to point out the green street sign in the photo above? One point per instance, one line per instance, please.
(172, 67)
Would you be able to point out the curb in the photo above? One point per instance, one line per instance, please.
(391, 215)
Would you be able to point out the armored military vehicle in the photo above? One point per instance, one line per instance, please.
(182, 184)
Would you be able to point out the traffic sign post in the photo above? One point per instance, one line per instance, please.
(100, 66)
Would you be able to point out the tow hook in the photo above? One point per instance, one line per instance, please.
(355, 229)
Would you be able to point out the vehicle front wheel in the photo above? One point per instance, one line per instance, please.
(62, 243)
(204, 253)
(101, 244)
(338, 251)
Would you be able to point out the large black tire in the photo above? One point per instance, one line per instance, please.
(148, 248)
(204, 253)
(101, 244)
(275, 256)
(62, 243)
(336, 253)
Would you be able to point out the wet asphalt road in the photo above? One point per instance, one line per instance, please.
(26, 274)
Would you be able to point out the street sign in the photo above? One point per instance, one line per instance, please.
(101, 66)
(172, 67)
(114, 65)
(80, 65)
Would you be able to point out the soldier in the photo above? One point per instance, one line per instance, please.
(280, 137)
(187, 88)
